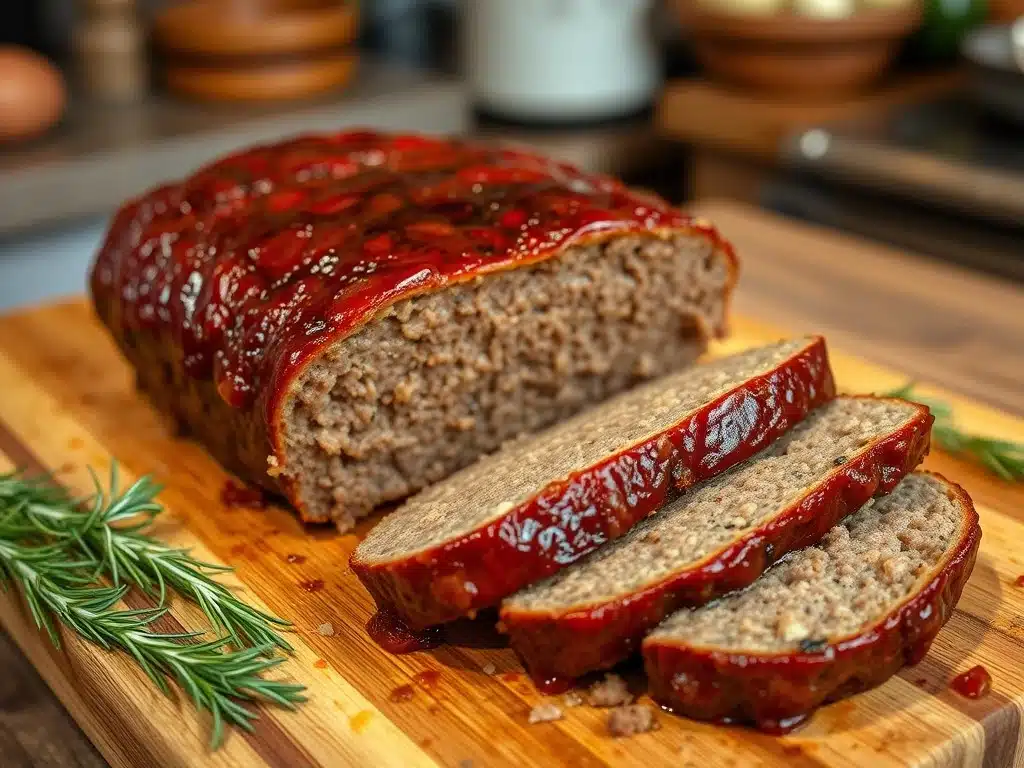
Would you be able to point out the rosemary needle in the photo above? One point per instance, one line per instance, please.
(1004, 458)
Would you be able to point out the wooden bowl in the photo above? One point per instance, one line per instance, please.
(257, 50)
(798, 56)
(212, 29)
(274, 80)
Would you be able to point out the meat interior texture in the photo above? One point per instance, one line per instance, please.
(438, 380)
(719, 511)
(491, 487)
(861, 571)
(248, 297)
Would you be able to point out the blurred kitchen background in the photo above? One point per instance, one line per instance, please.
(898, 120)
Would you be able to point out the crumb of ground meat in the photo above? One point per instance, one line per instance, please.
(545, 713)
(326, 629)
(631, 720)
(467, 763)
(610, 692)
(489, 669)
(573, 699)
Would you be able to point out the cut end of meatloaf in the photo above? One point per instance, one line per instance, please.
(860, 573)
(497, 484)
(440, 379)
(720, 511)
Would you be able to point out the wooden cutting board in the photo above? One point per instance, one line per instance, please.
(67, 403)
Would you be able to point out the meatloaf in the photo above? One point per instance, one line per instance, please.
(828, 622)
(542, 502)
(718, 537)
(347, 318)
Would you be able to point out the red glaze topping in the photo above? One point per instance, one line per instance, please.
(975, 683)
(234, 495)
(570, 518)
(393, 635)
(771, 689)
(258, 260)
(1020, 581)
(604, 633)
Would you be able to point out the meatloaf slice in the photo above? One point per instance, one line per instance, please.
(718, 537)
(345, 319)
(539, 504)
(828, 622)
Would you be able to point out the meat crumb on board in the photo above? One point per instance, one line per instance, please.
(631, 720)
(326, 629)
(546, 713)
(573, 699)
(610, 692)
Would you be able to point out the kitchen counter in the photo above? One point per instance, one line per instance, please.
(101, 155)
(950, 327)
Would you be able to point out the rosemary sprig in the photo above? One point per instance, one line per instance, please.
(56, 550)
(112, 526)
(215, 679)
(1004, 458)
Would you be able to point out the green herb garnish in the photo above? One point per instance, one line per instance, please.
(73, 560)
(1005, 458)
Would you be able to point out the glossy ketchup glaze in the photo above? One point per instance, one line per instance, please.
(552, 684)
(767, 690)
(607, 631)
(569, 518)
(393, 635)
(975, 683)
(1019, 582)
(260, 258)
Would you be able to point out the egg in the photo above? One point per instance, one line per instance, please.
(32, 94)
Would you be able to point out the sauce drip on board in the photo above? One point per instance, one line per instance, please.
(311, 585)
(360, 720)
(975, 683)
(1020, 581)
(394, 636)
(552, 684)
(233, 494)
(427, 679)
(402, 694)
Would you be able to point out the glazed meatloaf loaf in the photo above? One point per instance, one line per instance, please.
(542, 502)
(718, 537)
(345, 319)
(828, 622)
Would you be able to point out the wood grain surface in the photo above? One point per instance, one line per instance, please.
(935, 321)
(68, 403)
